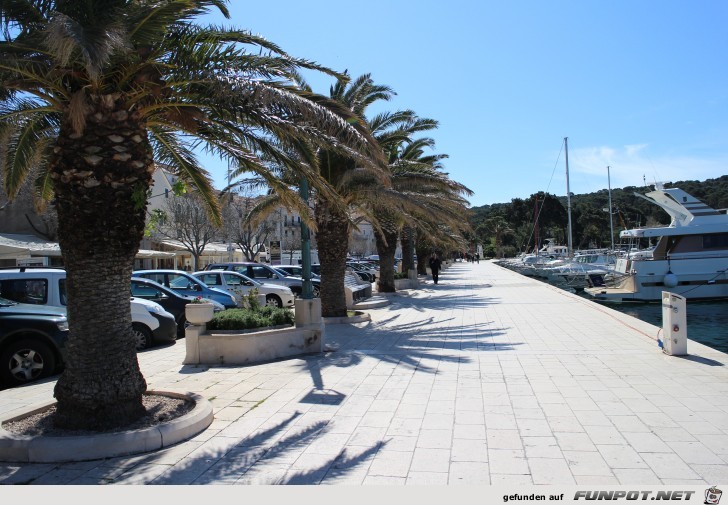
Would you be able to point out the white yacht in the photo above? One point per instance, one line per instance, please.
(577, 272)
(690, 257)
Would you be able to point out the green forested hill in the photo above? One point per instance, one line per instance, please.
(512, 224)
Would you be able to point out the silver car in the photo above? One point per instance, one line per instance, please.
(239, 285)
(266, 274)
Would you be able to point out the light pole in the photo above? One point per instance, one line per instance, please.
(307, 288)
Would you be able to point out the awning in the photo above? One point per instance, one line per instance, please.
(20, 246)
(145, 254)
(10, 252)
(210, 249)
(13, 245)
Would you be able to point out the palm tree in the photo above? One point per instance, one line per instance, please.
(422, 197)
(345, 173)
(497, 226)
(93, 94)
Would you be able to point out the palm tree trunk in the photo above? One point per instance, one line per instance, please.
(386, 241)
(101, 177)
(407, 241)
(423, 252)
(332, 237)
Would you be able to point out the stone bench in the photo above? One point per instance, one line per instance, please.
(356, 289)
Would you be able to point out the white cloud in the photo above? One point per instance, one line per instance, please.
(629, 164)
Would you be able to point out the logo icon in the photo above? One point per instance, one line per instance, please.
(712, 496)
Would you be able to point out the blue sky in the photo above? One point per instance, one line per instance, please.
(640, 86)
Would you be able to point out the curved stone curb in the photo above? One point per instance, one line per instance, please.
(43, 449)
(373, 303)
(341, 320)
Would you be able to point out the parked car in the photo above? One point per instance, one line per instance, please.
(266, 274)
(363, 272)
(169, 299)
(239, 284)
(186, 284)
(161, 328)
(295, 271)
(32, 341)
(47, 286)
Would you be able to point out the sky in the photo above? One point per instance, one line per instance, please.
(640, 87)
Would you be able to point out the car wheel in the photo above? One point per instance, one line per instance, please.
(142, 336)
(273, 301)
(316, 292)
(25, 361)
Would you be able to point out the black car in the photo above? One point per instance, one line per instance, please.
(32, 341)
(169, 299)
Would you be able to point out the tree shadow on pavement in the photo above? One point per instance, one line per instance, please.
(267, 456)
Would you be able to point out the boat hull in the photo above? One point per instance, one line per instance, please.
(696, 279)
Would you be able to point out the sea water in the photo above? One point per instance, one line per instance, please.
(707, 321)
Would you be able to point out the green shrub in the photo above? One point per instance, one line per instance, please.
(247, 319)
(250, 300)
(400, 275)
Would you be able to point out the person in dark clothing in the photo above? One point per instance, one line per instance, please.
(435, 267)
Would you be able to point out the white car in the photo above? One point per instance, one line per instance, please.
(239, 285)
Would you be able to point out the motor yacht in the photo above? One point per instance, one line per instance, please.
(690, 257)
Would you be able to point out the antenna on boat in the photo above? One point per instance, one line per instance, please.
(568, 191)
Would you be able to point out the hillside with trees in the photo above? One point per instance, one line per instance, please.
(506, 229)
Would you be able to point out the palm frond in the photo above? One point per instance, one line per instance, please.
(169, 151)
(25, 145)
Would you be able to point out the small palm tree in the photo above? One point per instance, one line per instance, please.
(93, 94)
(498, 227)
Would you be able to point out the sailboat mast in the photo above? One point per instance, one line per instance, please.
(611, 222)
(568, 192)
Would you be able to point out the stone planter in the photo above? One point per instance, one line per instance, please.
(199, 313)
(406, 284)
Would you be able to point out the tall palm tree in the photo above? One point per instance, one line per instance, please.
(422, 197)
(93, 94)
(345, 174)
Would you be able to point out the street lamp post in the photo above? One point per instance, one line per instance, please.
(307, 288)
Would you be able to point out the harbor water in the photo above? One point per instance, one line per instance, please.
(707, 321)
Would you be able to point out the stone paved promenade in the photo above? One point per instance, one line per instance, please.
(486, 378)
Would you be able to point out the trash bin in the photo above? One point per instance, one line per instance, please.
(674, 324)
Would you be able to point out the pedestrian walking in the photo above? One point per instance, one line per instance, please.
(435, 267)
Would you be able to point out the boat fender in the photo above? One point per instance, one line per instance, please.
(670, 279)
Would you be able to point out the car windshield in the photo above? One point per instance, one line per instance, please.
(182, 282)
(246, 278)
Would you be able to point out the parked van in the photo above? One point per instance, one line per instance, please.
(47, 286)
